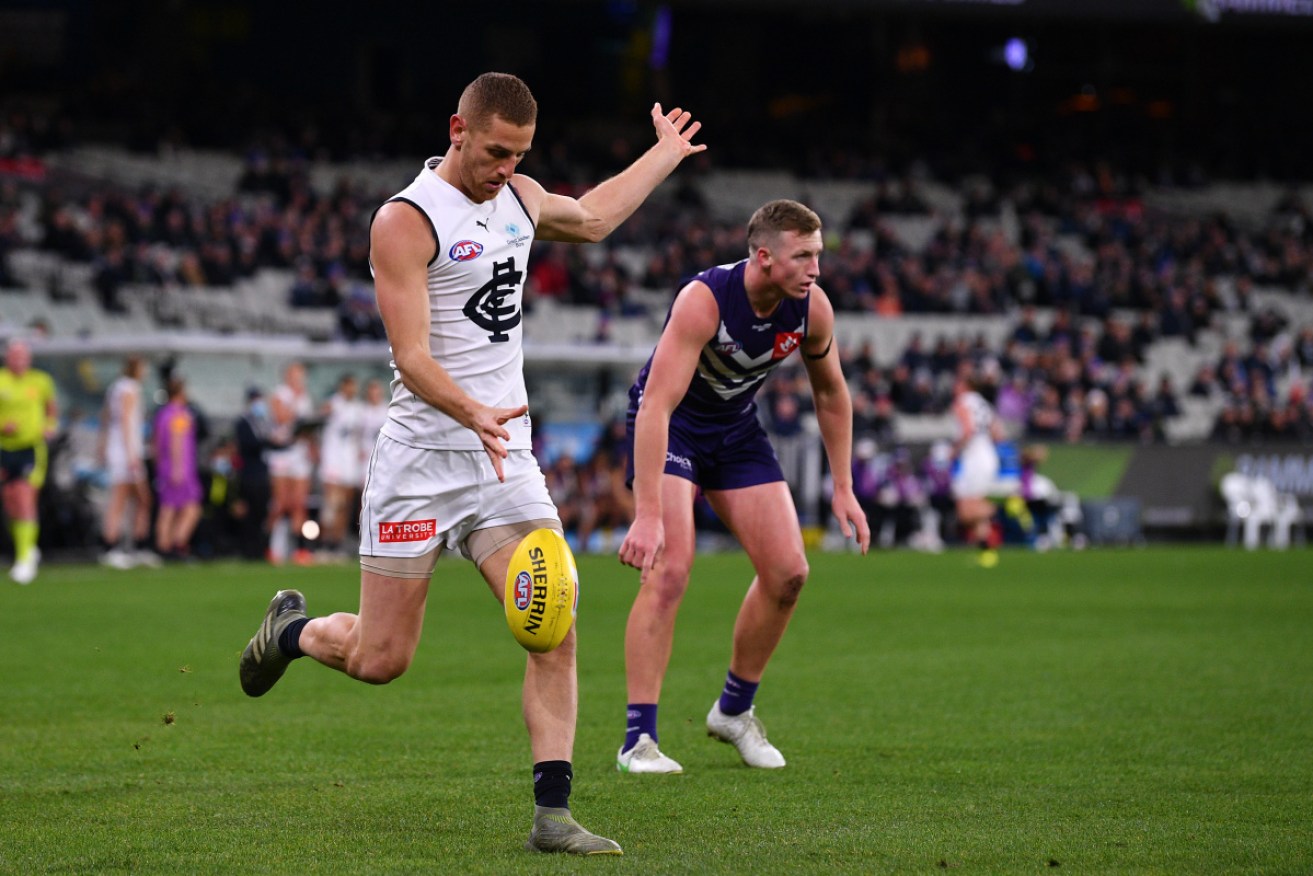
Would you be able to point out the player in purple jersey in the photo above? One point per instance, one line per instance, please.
(177, 483)
(693, 425)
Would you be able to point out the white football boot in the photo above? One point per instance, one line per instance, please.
(117, 558)
(645, 757)
(24, 572)
(746, 734)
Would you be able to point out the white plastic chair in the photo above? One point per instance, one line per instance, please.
(1248, 506)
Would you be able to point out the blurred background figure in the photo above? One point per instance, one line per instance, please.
(373, 414)
(340, 462)
(977, 465)
(122, 451)
(900, 498)
(253, 435)
(291, 467)
(177, 481)
(28, 420)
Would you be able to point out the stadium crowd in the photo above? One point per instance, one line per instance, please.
(1091, 276)
(1134, 276)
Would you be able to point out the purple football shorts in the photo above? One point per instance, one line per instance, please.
(715, 455)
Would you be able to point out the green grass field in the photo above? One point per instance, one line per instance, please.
(1113, 711)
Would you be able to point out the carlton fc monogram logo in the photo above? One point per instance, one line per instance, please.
(487, 308)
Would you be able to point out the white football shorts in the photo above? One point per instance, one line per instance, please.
(116, 464)
(977, 469)
(291, 462)
(416, 499)
(342, 468)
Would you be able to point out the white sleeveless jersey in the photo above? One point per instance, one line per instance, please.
(475, 285)
(980, 416)
(299, 403)
(341, 433)
(977, 466)
(117, 408)
(372, 418)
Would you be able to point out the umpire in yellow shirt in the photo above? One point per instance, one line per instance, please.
(28, 417)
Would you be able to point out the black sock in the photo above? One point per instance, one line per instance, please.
(551, 783)
(289, 641)
(142, 544)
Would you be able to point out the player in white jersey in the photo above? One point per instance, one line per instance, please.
(977, 466)
(340, 467)
(291, 468)
(122, 449)
(453, 468)
(373, 414)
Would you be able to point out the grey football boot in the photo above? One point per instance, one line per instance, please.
(555, 830)
(262, 662)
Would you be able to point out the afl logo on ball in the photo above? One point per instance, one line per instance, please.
(523, 590)
(465, 250)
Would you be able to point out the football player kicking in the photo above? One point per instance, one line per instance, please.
(693, 425)
(453, 466)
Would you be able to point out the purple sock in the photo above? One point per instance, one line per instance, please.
(640, 718)
(737, 696)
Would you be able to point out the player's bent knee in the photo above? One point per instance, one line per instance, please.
(788, 586)
(562, 653)
(378, 668)
(668, 585)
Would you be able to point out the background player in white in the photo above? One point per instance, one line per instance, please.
(122, 449)
(453, 467)
(340, 467)
(290, 468)
(977, 466)
(373, 414)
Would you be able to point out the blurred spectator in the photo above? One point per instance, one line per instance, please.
(253, 433)
(358, 318)
(899, 498)
(177, 480)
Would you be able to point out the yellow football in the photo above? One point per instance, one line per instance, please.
(542, 591)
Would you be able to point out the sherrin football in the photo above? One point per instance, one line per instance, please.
(542, 591)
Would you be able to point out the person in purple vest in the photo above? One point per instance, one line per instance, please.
(177, 483)
(693, 426)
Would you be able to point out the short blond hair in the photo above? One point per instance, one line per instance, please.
(497, 94)
(780, 215)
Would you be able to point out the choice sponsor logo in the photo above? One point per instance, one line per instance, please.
(407, 530)
(682, 461)
(523, 590)
(465, 250)
(786, 343)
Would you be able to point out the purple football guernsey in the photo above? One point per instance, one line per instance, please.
(715, 438)
(177, 482)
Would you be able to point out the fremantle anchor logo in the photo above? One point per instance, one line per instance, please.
(487, 308)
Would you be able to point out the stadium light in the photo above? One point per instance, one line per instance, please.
(1016, 55)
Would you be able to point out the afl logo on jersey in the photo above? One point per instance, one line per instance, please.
(465, 250)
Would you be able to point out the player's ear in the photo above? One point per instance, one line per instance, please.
(457, 129)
